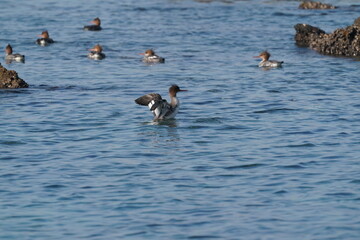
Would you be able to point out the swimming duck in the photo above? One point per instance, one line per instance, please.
(151, 57)
(265, 62)
(9, 57)
(160, 107)
(45, 39)
(96, 53)
(95, 27)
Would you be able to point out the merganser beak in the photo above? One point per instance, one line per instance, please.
(183, 90)
(256, 57)
(141, 53)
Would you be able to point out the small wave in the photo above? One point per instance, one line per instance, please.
(135, 233)
(300, 132)
(12, 143)
(293, 166)
(208, 120)
(72, 87)
(301, 145)
(8, 158)
(280, 192)
(22, 91)
(225, 176)
(273, 91)
(54, 186)
(8, 175)
(197, 127)
(234, 127)
(355, 181)
(273, 110)
(283, 14)
(204, 237)
(215, 90)
(160, 9)
(340, 194)
(255, 205)
(253, 165)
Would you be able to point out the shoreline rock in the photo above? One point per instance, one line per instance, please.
(10, 79)
(315, 5)
(342, 42)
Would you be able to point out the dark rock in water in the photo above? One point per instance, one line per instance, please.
(342, 42)
(315, 5)
(306, 33)
(10, 79)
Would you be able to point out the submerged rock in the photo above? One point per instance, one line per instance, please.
(342, 42)
(10, 79)
(315, 5)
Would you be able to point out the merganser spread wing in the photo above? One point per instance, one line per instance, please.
(159, 107)
(146, 99)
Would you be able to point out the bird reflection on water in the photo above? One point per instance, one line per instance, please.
(169, 122)
(162, 133)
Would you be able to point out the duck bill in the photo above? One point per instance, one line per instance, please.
(183, 90)
(141, 53)
(92, 50)
(256, 56)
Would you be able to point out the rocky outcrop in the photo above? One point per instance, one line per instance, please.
(306, 34)
(357, 22)
(10, 79)
(315, 5)
(342, 42)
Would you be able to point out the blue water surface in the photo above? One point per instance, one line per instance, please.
(252, 154)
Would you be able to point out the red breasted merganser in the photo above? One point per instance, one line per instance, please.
(151, 57)
(13, 57)
(95, 27)
(96, 53)
(45, 39)
(160, 107)
(265, 62)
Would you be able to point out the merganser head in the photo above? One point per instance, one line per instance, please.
(265, 55)
(44, 34)
(8, 49)
(97, 48)
(96, 21)
(175, 89)
(149, 53)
